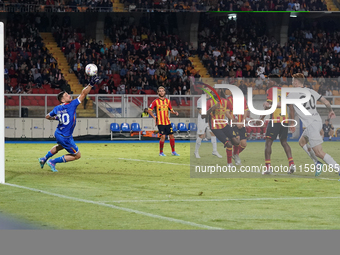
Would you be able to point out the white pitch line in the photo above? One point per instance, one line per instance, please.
(149, 161)
(193, 224)
(218, 200)
(328, 179)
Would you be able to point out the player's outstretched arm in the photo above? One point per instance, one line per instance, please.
(51, 118)
(88, 88)
(331, 113)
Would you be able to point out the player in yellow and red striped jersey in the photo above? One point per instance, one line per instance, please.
(276, 127)
(217, 114)
(163, 106)
(239, 128)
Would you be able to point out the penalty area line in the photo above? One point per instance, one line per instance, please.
(189, 223)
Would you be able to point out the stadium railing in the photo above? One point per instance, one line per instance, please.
(104, 105)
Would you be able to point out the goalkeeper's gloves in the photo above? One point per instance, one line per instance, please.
(94, 80)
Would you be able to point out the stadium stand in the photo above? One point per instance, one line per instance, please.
(138, 62)
(162, 6)
(244, 54)
(137, 59)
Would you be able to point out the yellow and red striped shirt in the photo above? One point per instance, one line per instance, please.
(230, 108)
(217, 117)
(276, 116)
(163, 106)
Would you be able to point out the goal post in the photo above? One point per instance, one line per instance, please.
(2, 104)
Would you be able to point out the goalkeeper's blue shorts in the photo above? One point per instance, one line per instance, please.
(67, 142)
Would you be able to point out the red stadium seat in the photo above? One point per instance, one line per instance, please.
(56, 102)
(50, 102)
(25, 102)
(46, 86)
(11, 102)
(16, 100)
(174, 103)
(38, 97)
(14, 55)
(14, 82)
(41, 102)
(34, 103)
(41, 91)
(116, 76)
(49, 91)
(35, 91)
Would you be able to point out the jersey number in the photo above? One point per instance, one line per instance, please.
(311, 102)
(64, 118)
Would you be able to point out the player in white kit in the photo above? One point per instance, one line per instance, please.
(202, 126)
(312, 124)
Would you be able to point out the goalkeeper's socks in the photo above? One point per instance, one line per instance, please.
(229, 155)
(172, 144)
(48, 155)
(161, 145)
(291, 161)
(58, 160)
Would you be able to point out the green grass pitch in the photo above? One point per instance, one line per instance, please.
(107, 189)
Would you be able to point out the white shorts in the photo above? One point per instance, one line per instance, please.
(312, 133)
(201, 126)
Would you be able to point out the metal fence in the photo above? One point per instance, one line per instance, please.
(99, 105)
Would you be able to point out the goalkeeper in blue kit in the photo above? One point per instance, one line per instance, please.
(65, 113)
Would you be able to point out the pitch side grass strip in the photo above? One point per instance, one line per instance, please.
(116, 207)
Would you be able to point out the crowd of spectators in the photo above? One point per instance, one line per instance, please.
(244, 54)
(141, 58)
(57, 5)
(146, 55)
(270, 5)
(28, 63)
(167, 5)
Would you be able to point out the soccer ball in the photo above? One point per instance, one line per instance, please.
(91, 69)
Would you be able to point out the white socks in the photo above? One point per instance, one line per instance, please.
(310, 153)
(214, 143)
(198, 144)
(330, 161)
(199, 140)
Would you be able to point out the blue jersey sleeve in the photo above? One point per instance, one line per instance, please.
(54, 112)
(75, 102)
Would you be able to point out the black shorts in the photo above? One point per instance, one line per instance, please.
(224, 134)
(326, 134)
(276, 129)
(165, 129)
(241, 132)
